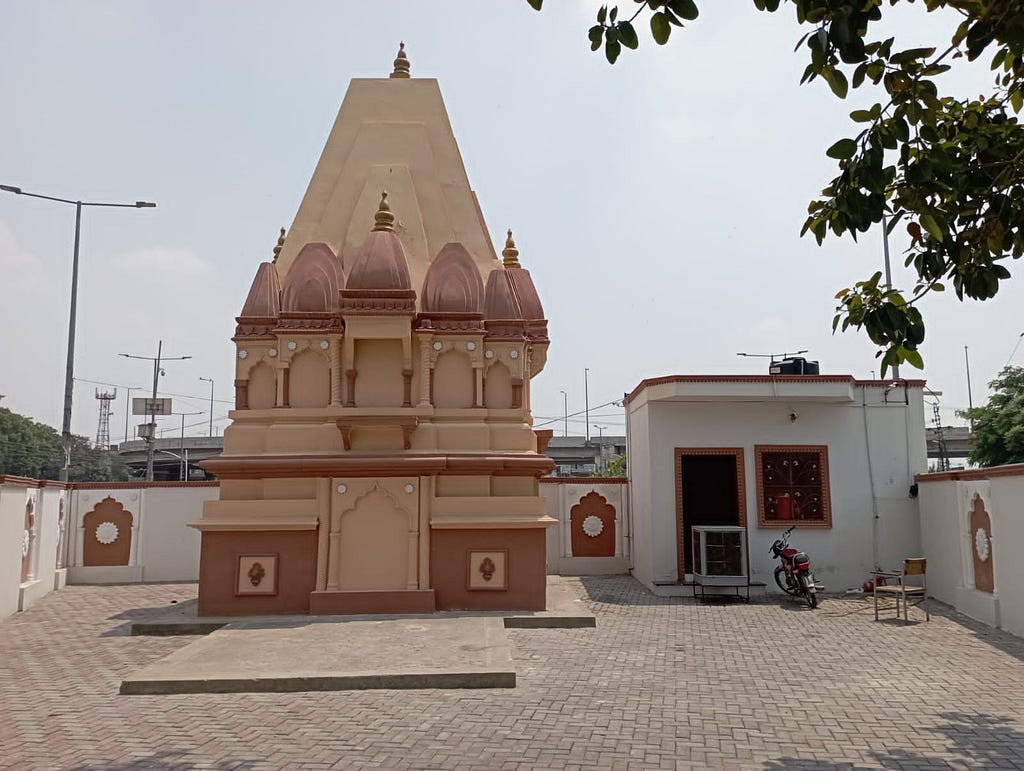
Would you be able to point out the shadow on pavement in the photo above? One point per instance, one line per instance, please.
(166, 760)
(983, 741)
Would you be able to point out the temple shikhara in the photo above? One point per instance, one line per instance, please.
(381, 456)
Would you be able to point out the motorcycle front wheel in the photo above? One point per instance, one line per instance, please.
(780, 579)
(808, 591)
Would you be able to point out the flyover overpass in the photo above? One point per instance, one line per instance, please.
(170, 455)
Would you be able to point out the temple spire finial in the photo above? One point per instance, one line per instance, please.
(384, 219)
(510, 253)
(279, 246)
(401, 63)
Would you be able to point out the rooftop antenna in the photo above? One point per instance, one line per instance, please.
(772, 356)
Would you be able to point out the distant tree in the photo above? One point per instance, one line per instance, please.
(998, 433)
(616, 467)
(31, 449)
(950, 167)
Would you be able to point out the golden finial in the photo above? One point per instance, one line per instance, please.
(384, 219)
(280, 245)
(510, 253)
(401, 63)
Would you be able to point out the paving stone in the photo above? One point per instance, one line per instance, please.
(659, 683)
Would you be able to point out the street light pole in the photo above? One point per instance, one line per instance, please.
(69, 374)
(565, 409)
(888, 277)
(127, 412)
(970, 400)
(182, 466)
(210, 381)
(152, 406)
(586, 399)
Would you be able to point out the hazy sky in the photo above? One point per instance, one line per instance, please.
(657, 203)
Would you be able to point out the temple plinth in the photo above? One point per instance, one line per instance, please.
(381, 456)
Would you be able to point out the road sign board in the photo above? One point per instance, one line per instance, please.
(147, 406)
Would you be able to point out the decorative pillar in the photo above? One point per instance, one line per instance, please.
(336, 373)
(350, 388)
(407, 388)
(517, 392)
(425, 372)
(241, 394)
(286, 387)
(478, 385)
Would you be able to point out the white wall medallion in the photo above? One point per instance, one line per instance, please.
(272, 353)
(106, 532)
(342, 489)
(488, 354)
(593, 526)
(26, 544)
(410, 488)
(292, 345)
(242, 354)
(513, 354)
(470, 346)
(324, 345)
(438, 345)
(981, 544)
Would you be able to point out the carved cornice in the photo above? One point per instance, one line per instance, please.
(457, 323)
(505, 329)
(312, 322)
(254, 328)
(376, 465)
(378, 302)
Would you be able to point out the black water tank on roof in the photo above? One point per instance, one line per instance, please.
(794, 365)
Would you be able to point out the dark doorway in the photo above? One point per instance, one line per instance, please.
(710, 495)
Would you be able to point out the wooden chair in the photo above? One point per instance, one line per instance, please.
(897, 586)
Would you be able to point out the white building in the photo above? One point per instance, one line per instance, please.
(830, 454)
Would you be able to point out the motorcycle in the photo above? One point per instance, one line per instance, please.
(793, 575)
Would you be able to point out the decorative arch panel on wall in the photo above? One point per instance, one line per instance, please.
(378, 373)
(309, 382)
(980, 537)
(262, 389)
(498, 387)
(453, 381)
(28, 542)
(107, 534)
(592, 524)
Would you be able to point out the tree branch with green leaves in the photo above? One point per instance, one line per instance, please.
(950, 167)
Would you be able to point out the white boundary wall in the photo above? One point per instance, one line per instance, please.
(163, 547)
(560, 495)
(946, 503)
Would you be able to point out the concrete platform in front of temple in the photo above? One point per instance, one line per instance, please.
(311, 655)
(565, 610)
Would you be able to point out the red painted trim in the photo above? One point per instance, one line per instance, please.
(1009, 470)
(584, 480)
(649, 382)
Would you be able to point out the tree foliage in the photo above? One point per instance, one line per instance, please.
(997, 436)
(949, 168)
(615, 467)
(31, 449)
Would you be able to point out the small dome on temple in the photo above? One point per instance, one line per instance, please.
(264, 298)
(526, 293)
(500, 300)
(381, 263)
(401, 63)
(453, 283)
(313, 281)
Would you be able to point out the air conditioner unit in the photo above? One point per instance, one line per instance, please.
(720, 557)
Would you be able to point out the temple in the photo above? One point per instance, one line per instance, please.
(381, 456)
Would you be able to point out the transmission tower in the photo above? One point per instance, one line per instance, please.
(940, 439)
(103, 429)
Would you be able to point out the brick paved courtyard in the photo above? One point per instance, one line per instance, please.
(661, 683)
